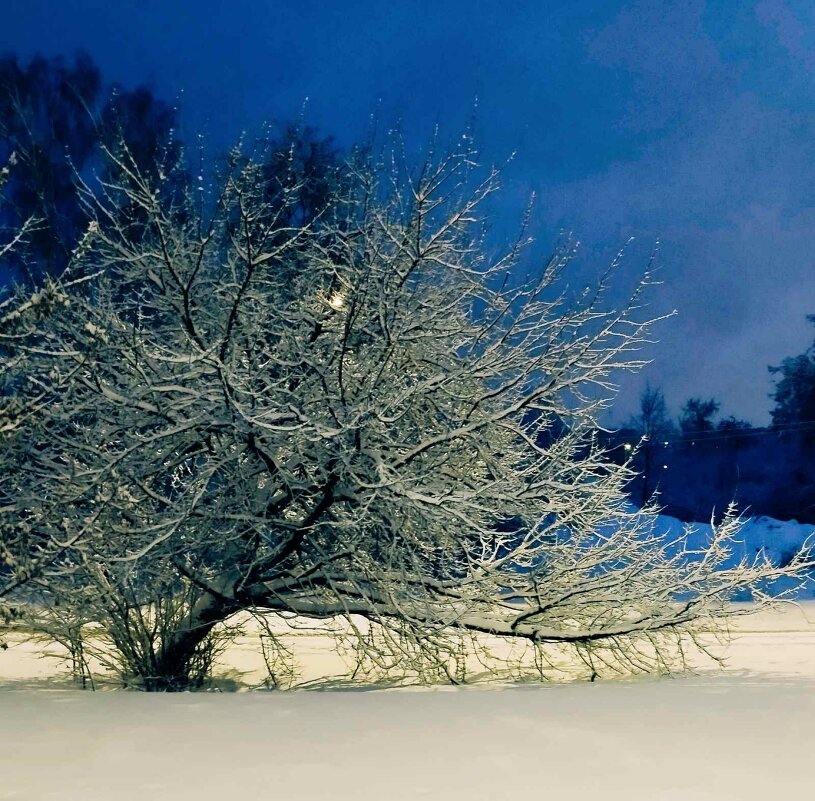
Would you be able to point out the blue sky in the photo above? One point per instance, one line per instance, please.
(690, 123)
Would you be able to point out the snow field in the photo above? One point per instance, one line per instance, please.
(701, 739)
(741, 733)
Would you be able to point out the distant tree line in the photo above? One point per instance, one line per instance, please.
(62, 127)
(701, 461)
(55, 118)
(795, 392)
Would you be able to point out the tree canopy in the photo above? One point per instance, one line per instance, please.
(794, 394)
(54, 113)
(697, 415)
(343, 414)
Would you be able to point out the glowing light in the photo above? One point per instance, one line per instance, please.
(627, 446)
(337, 301)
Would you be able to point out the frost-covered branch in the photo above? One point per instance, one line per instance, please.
(360, 415)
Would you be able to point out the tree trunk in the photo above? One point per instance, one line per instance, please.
(183, 660)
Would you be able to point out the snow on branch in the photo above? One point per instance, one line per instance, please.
(361, 413)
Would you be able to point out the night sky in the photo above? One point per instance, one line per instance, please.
(691, 123)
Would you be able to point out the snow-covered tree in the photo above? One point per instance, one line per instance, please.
(216, 410)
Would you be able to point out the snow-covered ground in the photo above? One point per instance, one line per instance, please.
(744, 732)
(711, 739)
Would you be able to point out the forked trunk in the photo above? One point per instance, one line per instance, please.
(184, 659)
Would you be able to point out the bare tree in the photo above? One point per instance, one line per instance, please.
(654, 424)
(215, 412)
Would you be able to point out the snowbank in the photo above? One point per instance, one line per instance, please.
(777, 540)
